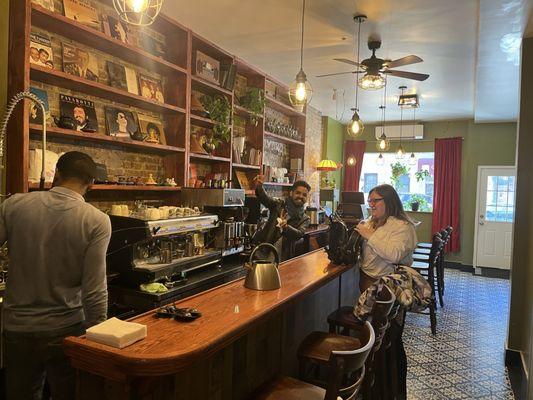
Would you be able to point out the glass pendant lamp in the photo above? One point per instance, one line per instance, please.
(356, 127)
(300, 91)
(138, 12)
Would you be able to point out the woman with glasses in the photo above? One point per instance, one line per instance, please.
(389, 234)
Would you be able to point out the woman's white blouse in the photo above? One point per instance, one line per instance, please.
(391, 244)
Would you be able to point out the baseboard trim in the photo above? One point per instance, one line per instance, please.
(514, 361)
(481, 271)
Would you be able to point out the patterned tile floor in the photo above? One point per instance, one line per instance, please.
(465, 360)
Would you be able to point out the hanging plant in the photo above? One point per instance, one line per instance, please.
(219, 110)
(398, 170)
(421, 175)
(254, 101)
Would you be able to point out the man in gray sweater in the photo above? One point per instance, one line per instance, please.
(56, 285)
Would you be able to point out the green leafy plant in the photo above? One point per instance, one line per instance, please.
(421, 175)
(418, 203)
(254, 101)
(398, 170)
(219, 110)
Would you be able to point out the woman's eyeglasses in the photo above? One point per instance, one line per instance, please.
(374, 201)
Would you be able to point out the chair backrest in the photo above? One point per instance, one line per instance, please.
(380, 315)
(436, 247)
(350, 362)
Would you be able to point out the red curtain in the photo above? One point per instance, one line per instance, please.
(447, 188)
(352, 174)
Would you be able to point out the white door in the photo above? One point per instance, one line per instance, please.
(495, 216)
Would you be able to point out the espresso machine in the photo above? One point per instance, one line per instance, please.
(165, 250)
(228, 205)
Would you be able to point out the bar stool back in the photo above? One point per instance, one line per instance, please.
(341, 364)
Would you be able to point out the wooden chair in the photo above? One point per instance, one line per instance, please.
(440, 266)
(427, 269)
(341, 364)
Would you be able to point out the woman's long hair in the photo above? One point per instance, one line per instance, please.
(393, 205)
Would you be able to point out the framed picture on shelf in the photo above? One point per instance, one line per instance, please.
(36, 113)
(82, 11)
(48, 4)
(207, 67)
(152, 129)
(122, 123)
(151, 88)
(152, 44)
(242, 178)
(82, 111)
(80, 62)
(41, 50)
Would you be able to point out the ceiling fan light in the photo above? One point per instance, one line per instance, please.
(138, 12)
(355, 127)
(371, 81)
(300, 91)
(383, 143)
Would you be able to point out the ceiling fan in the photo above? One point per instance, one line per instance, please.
(374, 67)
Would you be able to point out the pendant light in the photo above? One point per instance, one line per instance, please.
(300, 91)
(400, 153)
(412, 158)
(356, 127)
(381, 160)
(383, 143)
(138, 12)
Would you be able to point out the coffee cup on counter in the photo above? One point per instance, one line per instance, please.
(163, 212)
(153, 214)
(119, 210)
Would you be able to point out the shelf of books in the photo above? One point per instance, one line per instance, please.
(159, 103)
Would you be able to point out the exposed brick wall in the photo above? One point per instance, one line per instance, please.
(313, 147)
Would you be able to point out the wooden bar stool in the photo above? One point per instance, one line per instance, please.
(427, 269)
(341, 364)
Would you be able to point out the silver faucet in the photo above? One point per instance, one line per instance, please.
(3, 128)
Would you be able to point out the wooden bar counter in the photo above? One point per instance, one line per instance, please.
(243, 338)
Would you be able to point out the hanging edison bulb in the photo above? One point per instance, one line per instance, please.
(138, 12)
(412, 159)
(351, 161)
(381, 160)
(300, 91)
(355, 127)
(400, 153)
(383, 143)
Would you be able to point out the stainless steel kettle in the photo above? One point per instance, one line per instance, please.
(263, 274)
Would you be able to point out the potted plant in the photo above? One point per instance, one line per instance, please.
(417, 202)
(254, 101)
(422, 174)
(219, 110)
(398, 170)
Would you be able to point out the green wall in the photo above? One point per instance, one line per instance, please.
(484, 144)
(332, 146)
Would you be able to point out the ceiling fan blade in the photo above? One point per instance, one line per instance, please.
(338, 73)
(407, 60)
(408, 75)
(346, 61)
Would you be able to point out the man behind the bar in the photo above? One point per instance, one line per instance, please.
(57, 278)
(293, 221)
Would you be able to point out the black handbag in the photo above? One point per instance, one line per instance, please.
(345, 244)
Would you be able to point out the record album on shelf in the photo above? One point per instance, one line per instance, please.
(122, 123)
(82, 111)
(80, 62)
(36, 113)
(41, 50)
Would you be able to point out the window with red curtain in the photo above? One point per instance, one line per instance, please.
(447, 189)
(352, 173)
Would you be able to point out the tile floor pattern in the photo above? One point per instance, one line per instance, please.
(465, 360)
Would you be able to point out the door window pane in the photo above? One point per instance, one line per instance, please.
(499, 201)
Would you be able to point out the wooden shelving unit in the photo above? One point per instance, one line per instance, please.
(177, 69)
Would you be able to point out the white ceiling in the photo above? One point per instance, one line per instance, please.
(470, 49)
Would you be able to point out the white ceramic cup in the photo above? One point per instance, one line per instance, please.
(124, 211)
(116, 209)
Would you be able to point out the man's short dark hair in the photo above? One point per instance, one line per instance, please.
(302, 184)
(77, 165)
